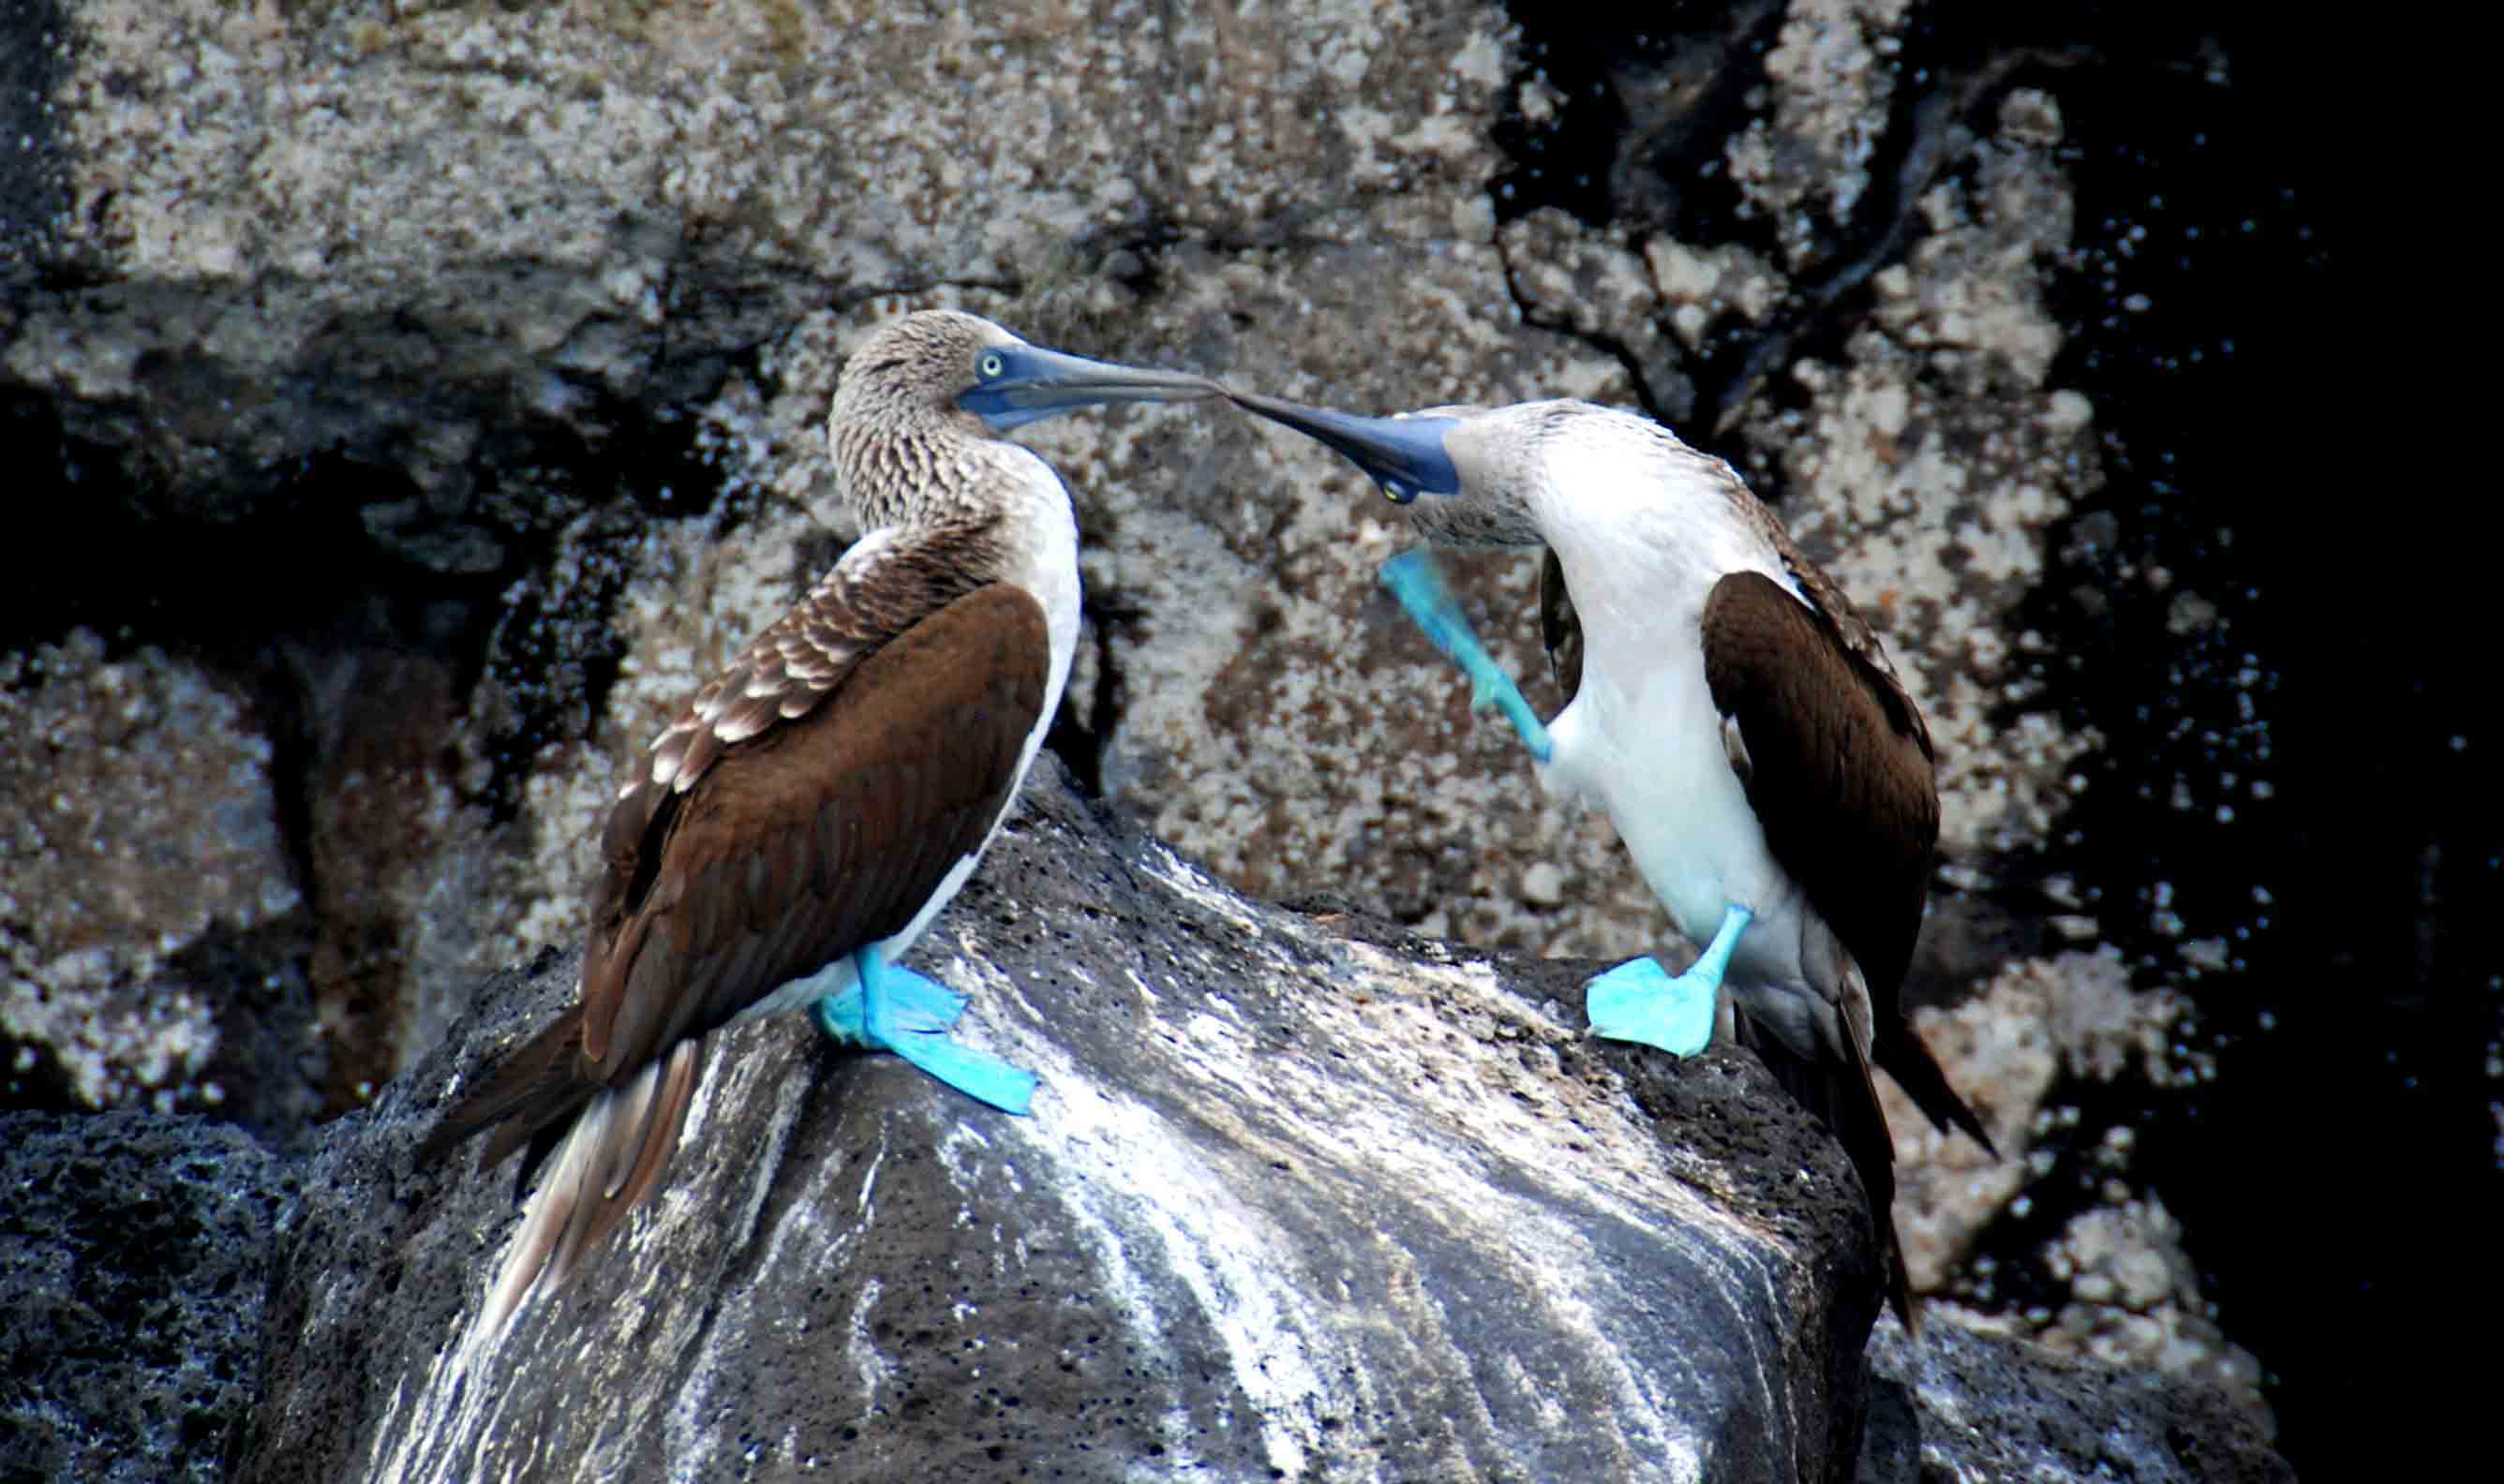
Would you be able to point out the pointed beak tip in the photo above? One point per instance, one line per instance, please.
(1135, 384)
(1404, 456)
(1255, 402)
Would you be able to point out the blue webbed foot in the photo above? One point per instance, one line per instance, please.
(897, 1010)
(1640, 1001)
(1417, 579)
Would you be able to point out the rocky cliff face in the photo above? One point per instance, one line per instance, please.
(429, 395)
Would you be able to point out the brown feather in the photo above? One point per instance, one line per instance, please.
(731, 868)
(1840, 774)
(1841, 778)
(1846, 797)
(659, 1136)
(623, 1138)
(517, 1095)
(1907, 1059)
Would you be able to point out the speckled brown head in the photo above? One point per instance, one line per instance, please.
(928, 386)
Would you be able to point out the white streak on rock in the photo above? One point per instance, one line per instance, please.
(862, 1349)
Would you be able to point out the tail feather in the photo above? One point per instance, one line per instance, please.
(533, 1089)
(606, 1163)
(1861, 1124)
(1836, 1086)
(598, 1149)
(1906, 1057)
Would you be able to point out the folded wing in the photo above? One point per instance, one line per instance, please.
(806, 806)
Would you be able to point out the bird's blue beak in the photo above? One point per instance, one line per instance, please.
(1404, 455)
(1022, 384)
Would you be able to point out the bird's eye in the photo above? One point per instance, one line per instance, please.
(992, 364)
(1398, 495)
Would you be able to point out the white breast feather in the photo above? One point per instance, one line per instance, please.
(1644, 533)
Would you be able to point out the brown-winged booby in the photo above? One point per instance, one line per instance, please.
(820, 800)
(1733, 714)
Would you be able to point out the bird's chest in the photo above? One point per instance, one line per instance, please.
(1049, 569)
(1644, 739)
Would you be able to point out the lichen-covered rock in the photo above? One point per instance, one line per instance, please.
(403, 232)
(151, 933)
(134, 1257)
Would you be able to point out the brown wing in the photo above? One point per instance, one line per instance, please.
(817, 834)
(1842, 785)
(1845, 627)
(1559, 625)
(808, 805)
(1840, 774)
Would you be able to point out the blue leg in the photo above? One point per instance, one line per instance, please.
(1417, 579)
(897, 1010)
(915, 1005)
(1636, 1001)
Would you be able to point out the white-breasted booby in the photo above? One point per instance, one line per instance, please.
(821, 799)
(1736, 718)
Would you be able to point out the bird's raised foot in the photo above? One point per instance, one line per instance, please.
(1417, 579)
(1639, 1001)
(897, 1010)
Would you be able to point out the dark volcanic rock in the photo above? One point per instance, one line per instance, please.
(1306, 1197)
(134, 1255)
(1300, 1198)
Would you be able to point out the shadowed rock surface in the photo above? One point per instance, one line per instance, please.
(135, 1254)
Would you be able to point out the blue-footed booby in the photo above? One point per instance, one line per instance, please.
(820, 800)
(1735, 718)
